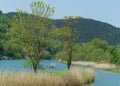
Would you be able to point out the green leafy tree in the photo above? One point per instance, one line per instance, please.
(31, 31)
(98, 43)
(4, 26)
(68, 38)
(95, 50)
(115, 52)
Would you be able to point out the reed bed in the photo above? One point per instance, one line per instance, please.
(104, 66)
(73, 77)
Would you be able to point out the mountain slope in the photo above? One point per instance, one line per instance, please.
(87, 29)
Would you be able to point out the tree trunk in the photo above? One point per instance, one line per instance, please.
(35, 69)
(35, 65)
(70, 58)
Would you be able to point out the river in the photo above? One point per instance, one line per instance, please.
(103, 78)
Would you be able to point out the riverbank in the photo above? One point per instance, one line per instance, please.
(102, 66)
(73, 77)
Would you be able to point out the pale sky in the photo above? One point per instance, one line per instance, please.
(102, 10)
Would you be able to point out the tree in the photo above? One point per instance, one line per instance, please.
(68, 39)
(98, 43)
(115, 52)
(4, 26)
(67, 36)
(30, 31)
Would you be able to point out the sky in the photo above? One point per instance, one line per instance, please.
(103, 10)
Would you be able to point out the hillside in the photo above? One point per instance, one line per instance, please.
(87, 29)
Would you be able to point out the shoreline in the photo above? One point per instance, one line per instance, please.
(102, 66)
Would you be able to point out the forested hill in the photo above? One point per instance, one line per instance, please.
(87, 29)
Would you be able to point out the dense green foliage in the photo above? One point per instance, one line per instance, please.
(100, 52)
(94, 40)
(87, 29)
(93, 51)
(7, 48)
(4, 23)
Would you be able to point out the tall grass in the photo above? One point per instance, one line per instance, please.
(104, 66)
(73, 77)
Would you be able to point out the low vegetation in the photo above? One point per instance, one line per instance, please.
(103, 66)
(116, 70)
(73, 77)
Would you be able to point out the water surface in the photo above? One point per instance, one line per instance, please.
(17, 65)
(103, 78)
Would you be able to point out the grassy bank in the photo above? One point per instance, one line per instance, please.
(116, 70)
(102, 66)
(73, 77)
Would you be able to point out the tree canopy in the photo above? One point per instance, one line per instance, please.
(30, 31)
